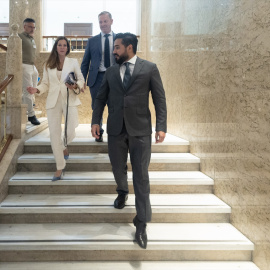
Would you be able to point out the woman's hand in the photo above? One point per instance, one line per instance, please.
(72, 86)
(32, 90)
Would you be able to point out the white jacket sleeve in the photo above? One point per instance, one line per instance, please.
(44, 86)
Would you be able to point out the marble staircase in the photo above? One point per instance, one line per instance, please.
(72, 224)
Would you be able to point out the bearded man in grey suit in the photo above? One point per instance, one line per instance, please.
(126, 87)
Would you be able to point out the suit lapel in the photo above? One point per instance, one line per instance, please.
(137, 68)
(65, 69)
(99, 44)
(117, 74)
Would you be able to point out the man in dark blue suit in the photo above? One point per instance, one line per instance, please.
(98, 57)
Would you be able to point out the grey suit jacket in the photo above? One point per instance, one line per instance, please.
(132, 105)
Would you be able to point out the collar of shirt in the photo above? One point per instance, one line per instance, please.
(27, 35)
(103, 34)
(132, 62)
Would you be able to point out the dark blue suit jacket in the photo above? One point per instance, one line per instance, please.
(91, 59)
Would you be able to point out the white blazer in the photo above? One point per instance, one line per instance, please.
(51, 83)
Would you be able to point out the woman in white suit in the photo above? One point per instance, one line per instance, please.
(55, 72)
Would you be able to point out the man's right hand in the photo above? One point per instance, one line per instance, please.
(95, 131)
(31, 90)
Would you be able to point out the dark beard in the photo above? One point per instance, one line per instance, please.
(121, 59)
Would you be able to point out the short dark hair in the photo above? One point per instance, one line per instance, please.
(105, 13)
(29, 20)
(127, 39)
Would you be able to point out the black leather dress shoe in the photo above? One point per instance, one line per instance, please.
(33, 120)
(120, 201)
(140, 235)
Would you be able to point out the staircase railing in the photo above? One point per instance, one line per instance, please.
(77, 43)
(3, 43)
(5, 138)
(3, 47)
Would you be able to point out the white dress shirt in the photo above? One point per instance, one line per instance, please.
(131, 62)
(112, 60)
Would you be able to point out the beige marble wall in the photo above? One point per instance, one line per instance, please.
(214, 60)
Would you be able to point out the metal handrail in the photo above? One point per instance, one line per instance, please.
(6, 139)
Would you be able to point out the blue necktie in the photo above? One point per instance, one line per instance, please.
(126, 76)
(107, 52)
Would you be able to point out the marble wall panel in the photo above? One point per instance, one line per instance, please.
(207, 165)
(246, 191)
(188, 107)
(233, 166)
(189, 74)
(252, 221)
(206, 71)
(261, 255)
(222, 56)
(217, 108)
(254, 119)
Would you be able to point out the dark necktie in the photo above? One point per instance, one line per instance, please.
(107, 52)
(126, 76)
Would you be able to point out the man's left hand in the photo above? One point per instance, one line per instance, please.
(160, 136)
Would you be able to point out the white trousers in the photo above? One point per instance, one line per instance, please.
(57, 139)
(30, 78)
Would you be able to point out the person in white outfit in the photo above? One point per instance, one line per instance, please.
(55, 72)
(30, 73)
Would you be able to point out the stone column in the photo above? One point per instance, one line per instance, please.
(15, 117)
(145, 25)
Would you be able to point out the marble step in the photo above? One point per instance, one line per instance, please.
(103, 182)
(130, 265)
(115, 241)
(85, 143)
(101, 162)
(33, 129)
(99, 208)
(88, 145)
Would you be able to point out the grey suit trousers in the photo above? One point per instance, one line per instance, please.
(139, 148)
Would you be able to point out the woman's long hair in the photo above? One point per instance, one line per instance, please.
(53, 60)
